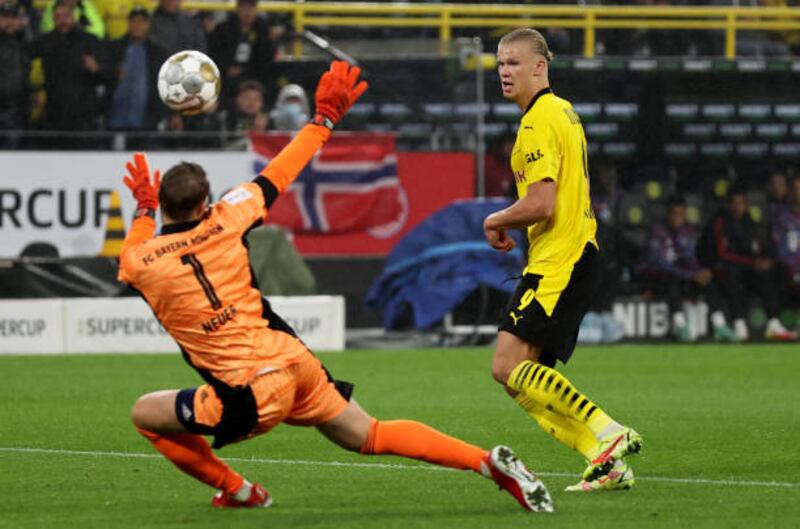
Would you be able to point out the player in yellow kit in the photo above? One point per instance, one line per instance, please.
(540, 324)
(196, 277)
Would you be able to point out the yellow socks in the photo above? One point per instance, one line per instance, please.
(552, 392)
(569, 432)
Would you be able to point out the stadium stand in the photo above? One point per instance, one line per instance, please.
(671, 110)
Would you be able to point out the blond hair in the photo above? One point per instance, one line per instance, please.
(531, 36)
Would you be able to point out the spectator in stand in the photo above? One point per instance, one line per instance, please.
(15, 67)
(115, 16)
(242, 48)
(599, 324)
(71, 60)
(291, 110)
(249, 113)
(201, 131)
(786, 235)
(83, 11)
(135, 60)
(673, 271)
(175, 29)
(499, 178)
(777, 194)
(731, 246)
(208, 21)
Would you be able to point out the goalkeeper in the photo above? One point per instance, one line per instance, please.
(196, 277)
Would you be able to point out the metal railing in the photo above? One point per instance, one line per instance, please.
(447, 17)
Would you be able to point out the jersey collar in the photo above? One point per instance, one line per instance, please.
(540, 93)
(177, 227)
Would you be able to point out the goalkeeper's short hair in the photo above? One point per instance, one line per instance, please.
(183, 188)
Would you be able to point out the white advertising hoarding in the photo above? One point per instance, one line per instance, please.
(119, 325)
(127, 325)
(31, 326)
(318, 320)
(64, 198)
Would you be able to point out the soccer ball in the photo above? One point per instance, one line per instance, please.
(189, 82)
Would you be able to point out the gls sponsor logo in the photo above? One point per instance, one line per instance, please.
(128, 326)
(531, 157)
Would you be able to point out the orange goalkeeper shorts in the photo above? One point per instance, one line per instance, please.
(301, 394)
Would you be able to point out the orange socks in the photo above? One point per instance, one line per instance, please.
(418, 441)
(193, 455)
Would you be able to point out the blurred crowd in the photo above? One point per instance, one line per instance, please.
(720, 237)
(89, 65)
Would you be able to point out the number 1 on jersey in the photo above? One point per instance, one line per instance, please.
(191, 260)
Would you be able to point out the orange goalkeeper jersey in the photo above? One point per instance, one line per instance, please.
(196, 275)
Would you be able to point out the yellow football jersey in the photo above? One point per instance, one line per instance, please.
(551, 144)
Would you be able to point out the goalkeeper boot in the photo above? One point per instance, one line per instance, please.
(505, 468)
(620, 477)
(259, 497)
(612, 447)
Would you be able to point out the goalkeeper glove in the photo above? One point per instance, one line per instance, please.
(336, 92)
(138, 181)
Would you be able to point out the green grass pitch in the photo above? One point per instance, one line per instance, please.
(721, 428)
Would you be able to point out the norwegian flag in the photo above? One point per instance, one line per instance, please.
(351, 184)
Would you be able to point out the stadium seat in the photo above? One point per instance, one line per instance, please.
(622, 111)
(772, 131)
(694, 209)
(493, 130)
(415, 130)
(588, 111)
(680, 150)
(788, 112)
(602, 130)
(758, 206)
(619, 149)
(786, 150)
(633, 219)
(470, 110)
(439, 110)
(394, 111)
(363, 109)
(718, 150)
(735, 130)
(682, 111)
(755, 112)
(718, 111)
(752, 150)
(699, 130)
(506, 111)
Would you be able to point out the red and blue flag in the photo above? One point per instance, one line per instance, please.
(351, 184)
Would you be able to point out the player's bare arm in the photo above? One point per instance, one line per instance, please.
(539, 204)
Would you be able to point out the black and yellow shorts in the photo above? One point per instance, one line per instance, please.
(567, 298)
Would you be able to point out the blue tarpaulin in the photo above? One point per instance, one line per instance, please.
(441, 262)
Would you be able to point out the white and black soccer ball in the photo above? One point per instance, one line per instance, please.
(189, 82)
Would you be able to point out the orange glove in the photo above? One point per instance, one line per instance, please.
(145, 193)
(336, 92)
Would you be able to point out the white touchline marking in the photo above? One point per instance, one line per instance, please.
(397, 466)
